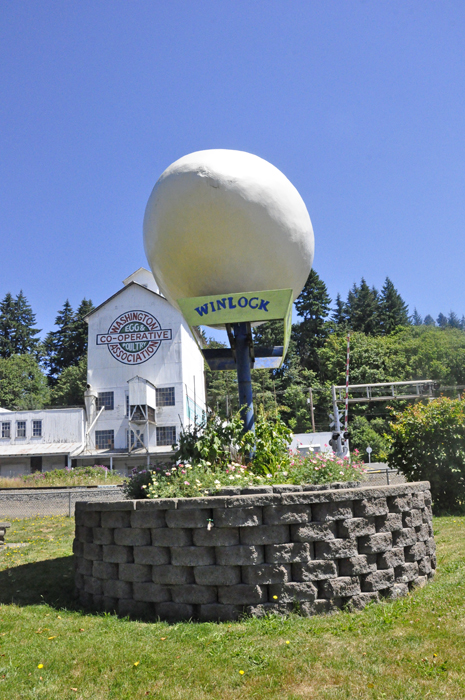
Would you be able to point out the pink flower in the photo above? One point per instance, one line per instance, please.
(186, 483)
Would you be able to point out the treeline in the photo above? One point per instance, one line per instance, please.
(387, 344)
(35, 373)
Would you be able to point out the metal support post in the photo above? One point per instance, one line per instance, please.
(310, 393)
(337, 424)
(242, 339)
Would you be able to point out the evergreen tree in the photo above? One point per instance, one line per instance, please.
(59, 346)
(79, 330)
(362, 309)
(269, 334)
(313, 306)
(23, 386)
(453, 320)
(462, 323)
(339, 315)
(441, 321)
(429, 321)
(416, 318)
(393, 311)
(7, 326)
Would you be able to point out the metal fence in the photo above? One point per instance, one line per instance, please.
(30, 503)
(383, 476)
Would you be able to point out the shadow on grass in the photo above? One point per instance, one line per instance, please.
(50, 581)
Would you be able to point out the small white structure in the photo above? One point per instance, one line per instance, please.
(145, 382)
(304, 443)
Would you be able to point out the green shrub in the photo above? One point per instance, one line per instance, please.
(428, 443)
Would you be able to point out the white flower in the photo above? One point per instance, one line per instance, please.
(231, 477)
(284, 473)
(217, 482)
(269, 476)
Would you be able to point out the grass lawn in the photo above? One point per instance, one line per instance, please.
(406, 650)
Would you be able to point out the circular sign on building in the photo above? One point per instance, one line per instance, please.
(134, 337)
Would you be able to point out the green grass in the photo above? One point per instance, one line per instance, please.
(410, 649)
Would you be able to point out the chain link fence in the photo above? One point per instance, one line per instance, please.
(30, 503)
(383, 476)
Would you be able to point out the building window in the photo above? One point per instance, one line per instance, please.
(165, 397)
(166, 435)
(127, 405)
(6, 431)
(137, 439)
(105, 439)
(36, 464)
(105, 400)
(21, 429)
(36, 428)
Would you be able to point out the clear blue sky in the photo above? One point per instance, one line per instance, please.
(360, 104)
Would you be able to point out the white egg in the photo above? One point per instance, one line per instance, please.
(223, 221)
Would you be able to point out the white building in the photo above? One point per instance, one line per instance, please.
(145, 382)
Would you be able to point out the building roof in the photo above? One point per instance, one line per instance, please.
(41, 449)
(123, 289)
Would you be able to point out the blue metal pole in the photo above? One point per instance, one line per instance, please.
(244, 378)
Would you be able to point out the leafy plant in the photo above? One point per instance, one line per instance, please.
(428, 443)
(269, 443)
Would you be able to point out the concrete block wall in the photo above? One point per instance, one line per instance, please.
(282, 548)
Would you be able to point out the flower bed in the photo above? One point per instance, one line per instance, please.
(271, 548)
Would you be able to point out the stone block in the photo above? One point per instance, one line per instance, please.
(109, 604)
(292, 592)
(423, 532)
(336, 549)
(188, 518)
(156, 504)
(406, 572)
(241, 555)
(264, 609)
(285, 488)
(314, 571)
(86, 599)
(117, 589)
(286, 515)
(242, 594)
(416, 551)
(174, 612)
(84, 534)
(194, 595)
(218, 575)
(356, 527)
(320, 606)
(370, 506)
(360, 601)
(79, 581)
(404, 538)
(216, 537)
(430, 545)
(172, 575)
(424, 566)
(355, 566)
(104, 570)
(111, 505)
(434, 564)
(289, 553)
(263, 574)
(78, 548)
(90, 519)
(132, 537)
(374, 544)
(427, 498)
(92, 551)
(398, 590)
(412, 518)
(391, 559)
(419, 582)
(203, 502)
(254, 490)
(341, 587)
(389, 522)
(399, 504)
(148, 518)
(418, 500)
(114, 554)
(151, 592)
(84, 566)
(134, 572)
(265, 534)
(152, 556)
(193, 556)
(340, 510)
(135, 609)
(378, 580)
(102, 535)
(215, 612)
(237, 517)
(256, 501)
(172, 537)
(115, 519)
(314, 532)
(93, 585)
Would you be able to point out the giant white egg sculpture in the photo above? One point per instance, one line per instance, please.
(222, 221)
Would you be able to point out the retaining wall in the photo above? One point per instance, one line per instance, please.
(273, 548)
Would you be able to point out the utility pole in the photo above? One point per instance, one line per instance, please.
(310, 394)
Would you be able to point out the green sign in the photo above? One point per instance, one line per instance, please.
(240, 307)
